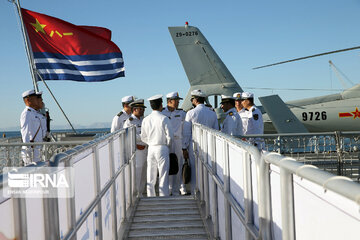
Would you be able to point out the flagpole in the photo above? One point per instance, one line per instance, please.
(27, 46)
(56, 101)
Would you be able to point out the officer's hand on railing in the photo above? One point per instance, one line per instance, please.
(185, 153)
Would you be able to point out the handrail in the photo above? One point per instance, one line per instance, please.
(262, 192)
(112, 159)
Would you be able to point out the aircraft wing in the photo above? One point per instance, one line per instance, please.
(281, 116)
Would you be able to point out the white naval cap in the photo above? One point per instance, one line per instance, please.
(127, 99)
(30, 92)
(198, 93)
(225, 99)
(156, 97)
(173, 95)
(138, 103)
(237, 95)
(247, 95)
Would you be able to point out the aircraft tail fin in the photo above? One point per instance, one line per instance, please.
(202, 65)
(281, 116)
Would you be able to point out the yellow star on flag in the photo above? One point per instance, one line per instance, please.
(38, 27)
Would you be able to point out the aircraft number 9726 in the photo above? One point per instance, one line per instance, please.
(186, 34)
(317, 116)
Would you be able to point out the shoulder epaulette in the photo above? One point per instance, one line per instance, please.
(253, 109)
(120, 113)
(130, 118)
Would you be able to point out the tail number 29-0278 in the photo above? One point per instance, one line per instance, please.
(311, 116)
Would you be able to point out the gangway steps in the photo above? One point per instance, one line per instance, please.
(167, 218)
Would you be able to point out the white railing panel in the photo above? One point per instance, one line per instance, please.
(85, 182)
(209, 139)
(87, 230)
(220, 161)
(34, 218)
(7, 228)
(332, 216)
(255, 190)
(237, 228)
(106, 215)
(118, 156)
(64, 223)
(211, 200)
(221, 214)
(276, 201)
(127, 186)
(236, 163)
(119, 200)
(104, 164)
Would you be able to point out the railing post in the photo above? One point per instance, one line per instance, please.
(214, 195)
(206, 180)
(98, 211)
(287, 205)
(123, 187)
(248, 192)
(227, 208)
(113, 187)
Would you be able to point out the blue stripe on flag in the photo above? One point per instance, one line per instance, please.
(81, 78)
(79, 68)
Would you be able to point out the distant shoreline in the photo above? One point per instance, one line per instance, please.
(80, 130)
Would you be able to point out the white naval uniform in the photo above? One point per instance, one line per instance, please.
(232, 123)
(140, 155)
(118, 121)
(205, 116)
(32, 130)
(254, 125)
(156, 132)
(177, 118)
(244, 119)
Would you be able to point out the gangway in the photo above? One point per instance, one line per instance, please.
(174, 217)
(241, 193)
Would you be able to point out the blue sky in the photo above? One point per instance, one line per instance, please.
(245, 34)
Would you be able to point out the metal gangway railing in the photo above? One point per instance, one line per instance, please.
(104, 194)
(248, 194)
(10, 148)
(335, 152)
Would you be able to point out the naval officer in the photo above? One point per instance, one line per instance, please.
(120, 118)
(232, 123)
(33, 126)
(199, 114)
(138, 109)
(177, 117)
(253, 119)
(156, 132)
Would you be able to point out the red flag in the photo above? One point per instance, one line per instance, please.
(64, 51)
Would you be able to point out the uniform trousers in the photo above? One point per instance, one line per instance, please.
(140, 166)
(175, 181)
(158, 160)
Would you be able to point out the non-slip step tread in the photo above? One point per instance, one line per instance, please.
(165, 218)
(198, 232)
(167, 224)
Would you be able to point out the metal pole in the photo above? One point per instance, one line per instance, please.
(57, 103)
(27, 46)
